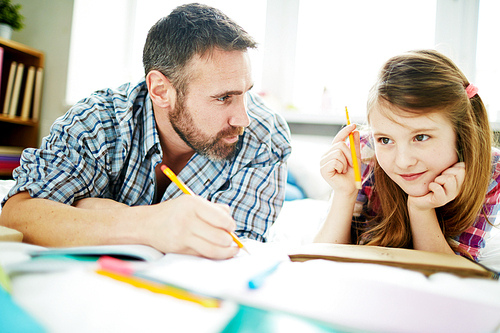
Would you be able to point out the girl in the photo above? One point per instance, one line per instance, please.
(432, 182)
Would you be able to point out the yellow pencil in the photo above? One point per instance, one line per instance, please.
(355, 165)
(170, 174)
(158, 288)
(5, 281)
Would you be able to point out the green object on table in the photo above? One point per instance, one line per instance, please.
(250, 320)
(5, 281)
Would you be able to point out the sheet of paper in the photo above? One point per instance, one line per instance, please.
(14, 252)
(16, 257)
(217, 277)
(83, 301)
(379, 298)
(359, 296)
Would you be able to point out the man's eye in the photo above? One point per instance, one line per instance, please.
(223, 99)
(421, 137)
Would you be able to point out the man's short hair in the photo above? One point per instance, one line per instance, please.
(189, 30)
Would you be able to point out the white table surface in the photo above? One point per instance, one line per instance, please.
(364, 297)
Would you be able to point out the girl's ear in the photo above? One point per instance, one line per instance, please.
(160, 89)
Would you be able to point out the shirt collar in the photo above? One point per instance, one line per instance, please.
(151, 136)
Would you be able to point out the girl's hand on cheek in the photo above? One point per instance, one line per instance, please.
(442, 190)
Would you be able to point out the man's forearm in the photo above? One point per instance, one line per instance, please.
(188, 224)
(90, 222)
(98, 203)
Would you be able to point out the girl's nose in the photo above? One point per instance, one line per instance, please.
(405, 158)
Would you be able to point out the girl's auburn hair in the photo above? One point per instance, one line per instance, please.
(420, 82)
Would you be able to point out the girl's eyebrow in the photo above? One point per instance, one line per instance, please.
(413, 131)
(425, 130)
(378, 134)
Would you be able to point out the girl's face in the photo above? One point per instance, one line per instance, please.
(413, 150)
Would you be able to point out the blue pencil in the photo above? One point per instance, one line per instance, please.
(259, 279)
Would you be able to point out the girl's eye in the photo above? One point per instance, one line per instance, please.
(384, 141)
(421, 137)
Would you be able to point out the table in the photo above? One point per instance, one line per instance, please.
(312, 296)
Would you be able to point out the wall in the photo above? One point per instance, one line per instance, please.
(48, 29)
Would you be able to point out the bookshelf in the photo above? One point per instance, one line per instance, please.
(19, 121)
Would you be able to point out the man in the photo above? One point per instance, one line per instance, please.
(96, 178)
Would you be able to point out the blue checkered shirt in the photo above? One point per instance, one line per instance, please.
(107, 146)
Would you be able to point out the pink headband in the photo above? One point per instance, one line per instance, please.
(471, 90)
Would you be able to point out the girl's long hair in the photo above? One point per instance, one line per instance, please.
(421, 82)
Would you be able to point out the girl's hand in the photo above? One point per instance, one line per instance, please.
(336, 164)
(442, 190)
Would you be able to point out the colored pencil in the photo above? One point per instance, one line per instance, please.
(355, 164)
(158, 288)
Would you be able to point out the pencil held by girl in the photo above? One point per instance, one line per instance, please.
(427, 163)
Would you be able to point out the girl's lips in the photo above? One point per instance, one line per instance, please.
(411, 176)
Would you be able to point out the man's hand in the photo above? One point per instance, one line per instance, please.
(192, 225)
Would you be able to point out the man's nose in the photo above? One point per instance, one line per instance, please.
(239, 116)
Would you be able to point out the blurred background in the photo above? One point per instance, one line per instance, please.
(314, 56)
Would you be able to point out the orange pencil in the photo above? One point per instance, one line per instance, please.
(355, 165)
(170, 174)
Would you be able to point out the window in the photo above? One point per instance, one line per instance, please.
(342, 44)
(106, 44)
(314, 57)
(487, 61)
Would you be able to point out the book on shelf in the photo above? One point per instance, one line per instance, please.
(1, 67)
(16, 90)
(11, 150)
(10, 85)
(28, 93)
(23, 91)
(422, 261)
(10, 158)
(37, 94)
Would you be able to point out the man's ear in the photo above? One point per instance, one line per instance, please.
(161, 91)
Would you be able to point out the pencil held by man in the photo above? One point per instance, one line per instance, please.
(173, 177)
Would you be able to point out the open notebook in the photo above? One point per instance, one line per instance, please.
(131, 251)
(422, 261)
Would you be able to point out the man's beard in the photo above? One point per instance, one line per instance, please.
(211, 147)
